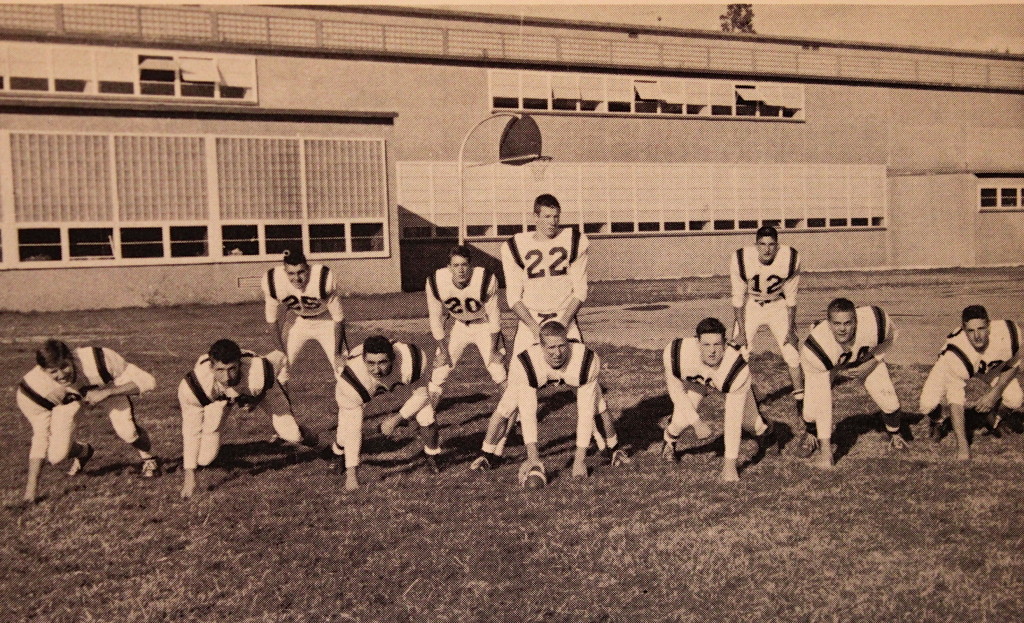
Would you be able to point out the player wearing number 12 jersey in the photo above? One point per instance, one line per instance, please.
(469, 296)
(764, 281)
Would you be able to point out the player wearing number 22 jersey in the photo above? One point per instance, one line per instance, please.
(467, 295)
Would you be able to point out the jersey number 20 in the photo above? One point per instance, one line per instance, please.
(557, 268)
(457, 306)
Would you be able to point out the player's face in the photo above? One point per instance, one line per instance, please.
(460, 270)
(64, 372)
(977, 330)
(712, 349)
(297, 275)
(843, 325)
(547, 221)
(556, 350)
(767, 249)
(378, 364)
(227, 374)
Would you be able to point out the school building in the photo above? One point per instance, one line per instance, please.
(169, 154)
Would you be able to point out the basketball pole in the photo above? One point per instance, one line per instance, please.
(462, 167)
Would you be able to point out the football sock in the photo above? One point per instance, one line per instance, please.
(812, 428)
(488, 448)
(892, 422)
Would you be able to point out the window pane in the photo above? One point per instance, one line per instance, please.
(142, 242)
(240, 240)
(39, 245)
(988, 197)
(327, 238)
(367, 236)
(189, 241)
(1008, 197)
(30, 84)
(92, 242)
(281, 238)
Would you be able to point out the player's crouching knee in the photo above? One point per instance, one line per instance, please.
(55, 456)
(425, 416)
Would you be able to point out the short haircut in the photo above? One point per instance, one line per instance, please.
(225, 351)
(52, 353)
(767, 231)
(546, 200)
(295, 258)
(553, 328)
(379, 345)
(841, 305)
(460, 250)
(974, 312)
(710, 325)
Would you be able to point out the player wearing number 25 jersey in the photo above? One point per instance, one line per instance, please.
(309, 291)
(850, 344)
(764, 281)
(469, 296)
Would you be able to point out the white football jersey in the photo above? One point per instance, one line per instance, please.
(581, 368)
(764, 282)
(873, 325)
(545, 274)
(94, 366)
(319, 295)
(966, 362)
(682, 359)
(357, 386)
(475, 301)
(259, 374)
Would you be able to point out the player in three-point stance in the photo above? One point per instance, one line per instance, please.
(850, 344)
(51, 394)
(545, 279)
(981, 348)
(693, 367)
(765, 278)
(227, 380)
(557, 359)
(309, 291)
(376, 367)
(469, 296)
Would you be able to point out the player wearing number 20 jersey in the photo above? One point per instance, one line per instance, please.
(467, 295)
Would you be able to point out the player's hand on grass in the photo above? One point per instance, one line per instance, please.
(189, 486)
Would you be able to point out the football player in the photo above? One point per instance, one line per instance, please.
(981, 348)
(693, 367)
(467, 295)
(849, 345)
(764, 281)
(557, 359)
(376, 367)
(53, 392)
(309, 291)
(227, 380)
(545, 279)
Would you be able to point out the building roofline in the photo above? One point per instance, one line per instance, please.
(550, 22)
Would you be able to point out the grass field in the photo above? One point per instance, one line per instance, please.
(916, 537)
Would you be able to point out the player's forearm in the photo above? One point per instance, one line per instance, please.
(525, 316)
(128, 388)
(741, 322)
(274, 329)
(571, 309)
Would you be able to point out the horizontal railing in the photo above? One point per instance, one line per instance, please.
(231, 27)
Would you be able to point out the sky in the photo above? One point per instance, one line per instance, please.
(977, 27)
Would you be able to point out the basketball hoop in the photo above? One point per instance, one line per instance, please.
(539, 168)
